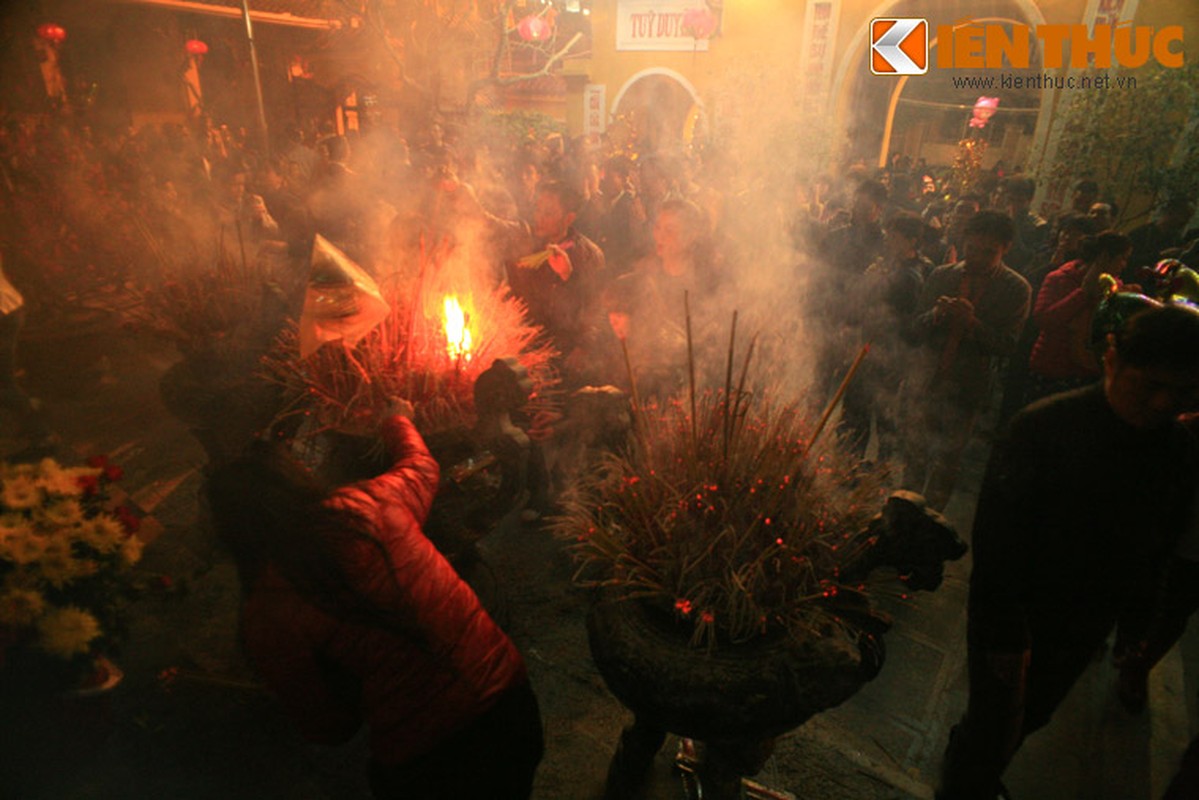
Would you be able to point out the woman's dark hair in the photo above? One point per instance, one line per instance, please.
(1166, 336)
(875, 190)
(994, 224)
(1107, 243)
(268, 510)
(569, 198)
(906, 224)
(1020, 187)
(1071, 221)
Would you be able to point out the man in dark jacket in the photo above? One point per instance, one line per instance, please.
(1032, 231)
(1078, 510)
(561, 284)
(1162, 234)
(969, 316)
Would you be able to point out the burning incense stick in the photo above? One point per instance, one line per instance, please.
(728, 385)
(241, 244)
(690, 370)
(828, 411)
(628, 365)
(749, 354)
(620, 327)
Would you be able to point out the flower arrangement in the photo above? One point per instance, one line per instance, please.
(64, 558)
(723, 513)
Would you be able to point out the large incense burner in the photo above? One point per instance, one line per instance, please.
(476, 372)
(735, 554)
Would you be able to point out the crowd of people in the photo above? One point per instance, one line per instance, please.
(971, 307)
(1012, 325)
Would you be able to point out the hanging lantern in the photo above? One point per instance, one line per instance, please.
(984, 109)
(55, 34)
(195, 47)
(298, 68)
(534, 28)
(699, 23)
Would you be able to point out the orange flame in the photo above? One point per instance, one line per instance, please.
(457, 334)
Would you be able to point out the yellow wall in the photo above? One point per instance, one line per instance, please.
(763, 38)
(756, 34)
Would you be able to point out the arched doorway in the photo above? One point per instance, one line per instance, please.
(925, 116)
(661, 109)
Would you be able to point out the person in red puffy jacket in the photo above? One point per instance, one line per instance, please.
(351, 616)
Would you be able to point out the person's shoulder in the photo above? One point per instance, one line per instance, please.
(1058, 413)
(921, 265)
(1068, 403)
(594, 254)
(630, 286)
(837, 230)
(946, 271)
(1066, 268)
(1014, 279)
(583, 241)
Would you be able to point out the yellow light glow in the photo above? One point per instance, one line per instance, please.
(457, 334)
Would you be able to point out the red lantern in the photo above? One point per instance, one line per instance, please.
(195, 47)
(534, 28)
(52, 33)
(700, 23)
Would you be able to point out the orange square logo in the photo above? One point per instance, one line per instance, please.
(899, 46)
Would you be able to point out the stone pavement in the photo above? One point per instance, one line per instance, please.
(190, 721)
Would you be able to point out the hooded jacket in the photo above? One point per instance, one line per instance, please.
(333, 673)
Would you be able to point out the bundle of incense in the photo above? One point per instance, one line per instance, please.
(535, 260)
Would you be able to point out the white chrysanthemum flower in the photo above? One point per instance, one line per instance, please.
(47, 467)
(8, 470)
(58, 566)
(62, 514)
(65, 481)
(103, 533)
(67, 632)
(24, 548)
(20, 492)
(21, 607)
(13, 525)
(131, 550)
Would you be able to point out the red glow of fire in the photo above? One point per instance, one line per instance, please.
(195, 47)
